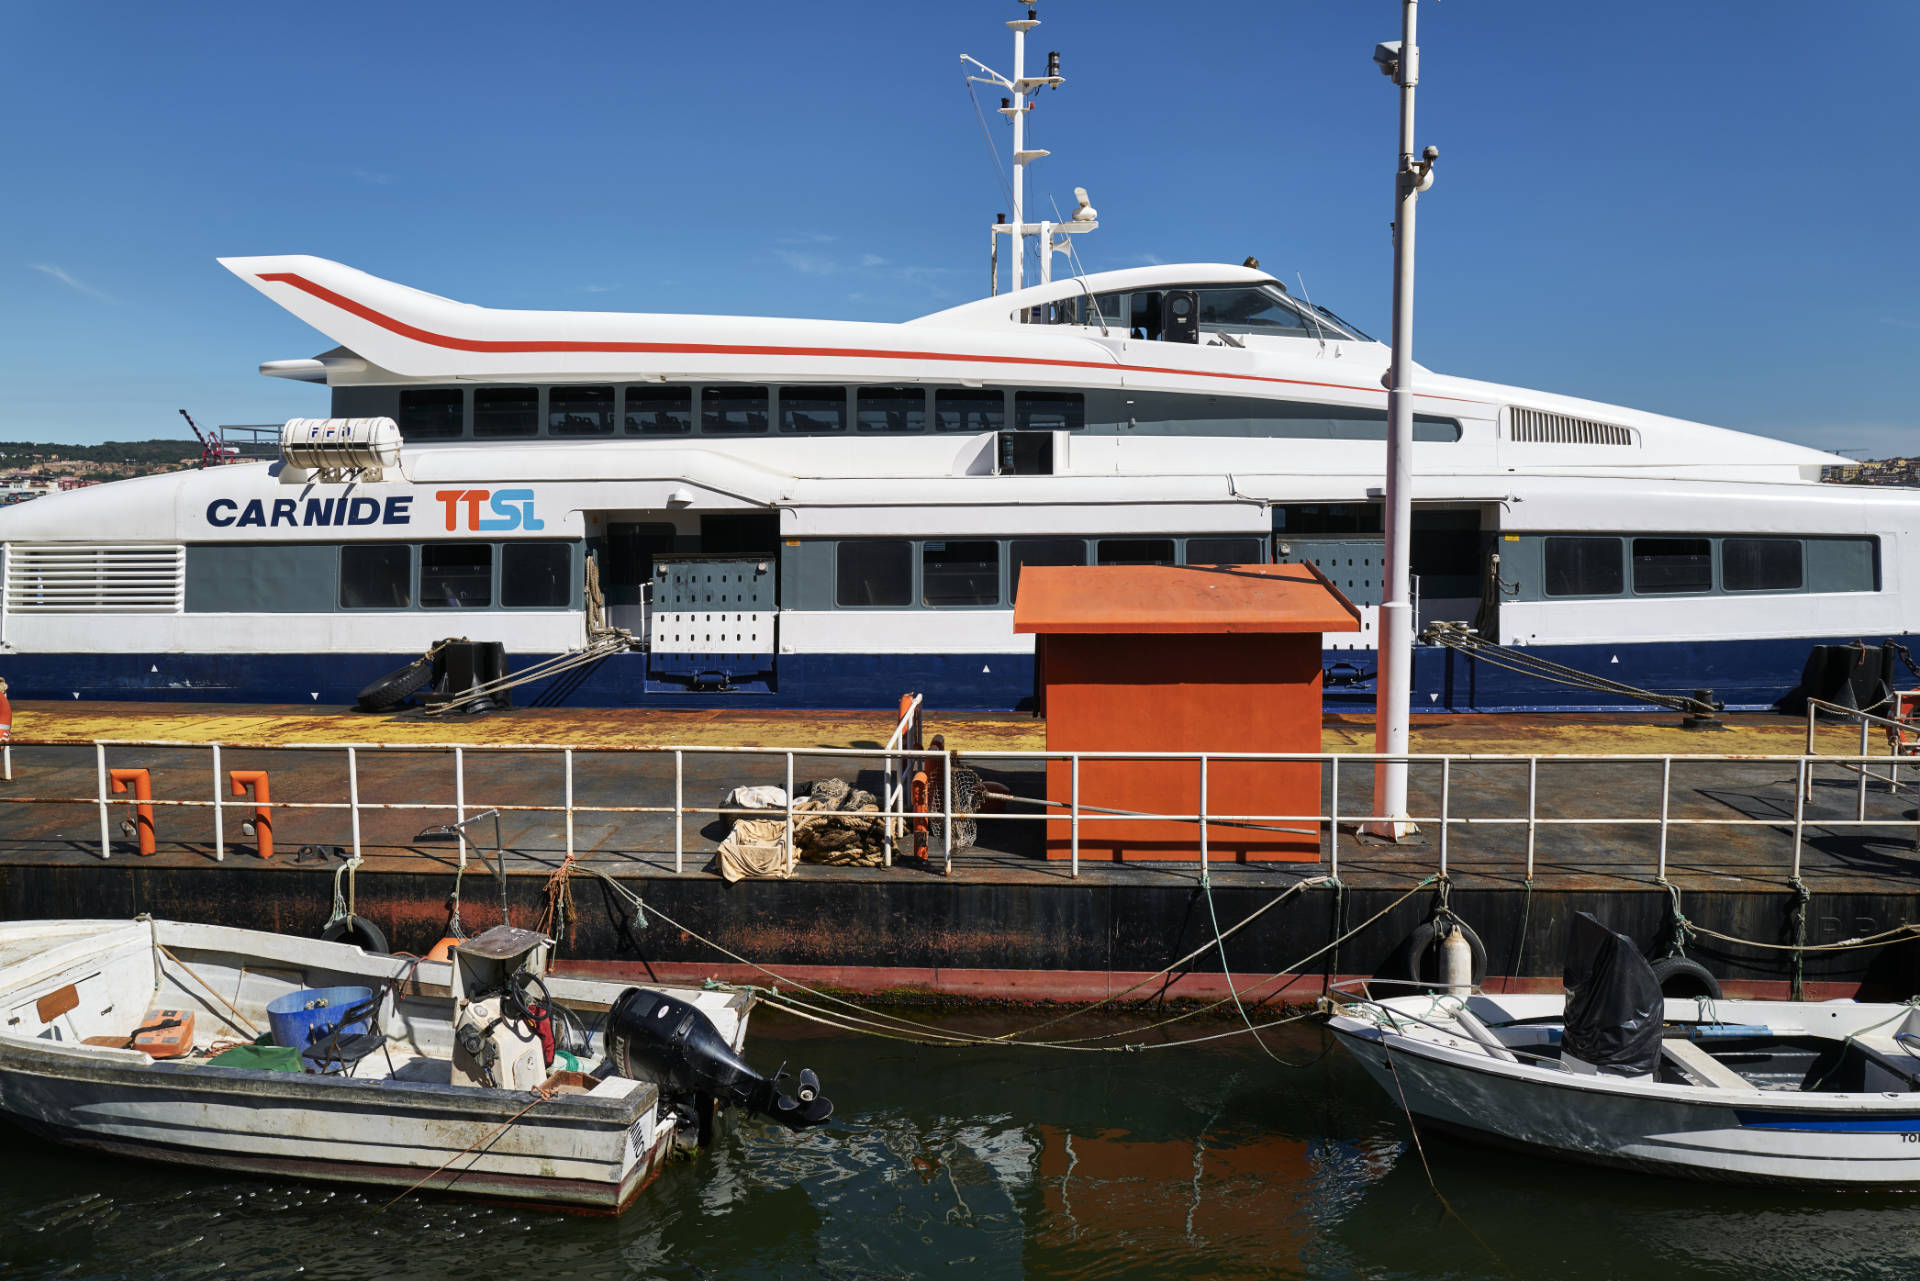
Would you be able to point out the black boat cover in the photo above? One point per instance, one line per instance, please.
(1614, 1006)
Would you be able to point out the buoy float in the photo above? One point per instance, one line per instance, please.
(1456, 963)
(443, 950)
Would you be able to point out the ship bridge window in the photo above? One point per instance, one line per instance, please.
(873, 571)
(376, 576)
(580, 411)
(659, 411)
(1109, 310)
(1049, 410)
(969, 409)
(1043, 551)
(1135, 551)
(536, 575)
(506, 411)
(733, 411)
(1762, 564)
(1672, 566)
(432, 413)
(1584, 567)
(813, 410)
(1144, 309)
(1254, 309)
(954, 572)
(456, 575)
(891, 409)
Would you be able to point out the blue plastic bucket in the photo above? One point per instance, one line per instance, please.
(300, 1018)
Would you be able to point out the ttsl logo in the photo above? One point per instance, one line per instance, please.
(509, 508)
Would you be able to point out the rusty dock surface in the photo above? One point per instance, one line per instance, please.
(1779, 894)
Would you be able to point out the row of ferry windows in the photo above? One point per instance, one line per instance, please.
(1670, 565)
(659, 409)
(963, 572)
(532, 575)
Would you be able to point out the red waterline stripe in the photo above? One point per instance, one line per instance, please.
(432, 339)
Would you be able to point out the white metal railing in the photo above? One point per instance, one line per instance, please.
(896, 790)
(1073, 812)
(1902, 738)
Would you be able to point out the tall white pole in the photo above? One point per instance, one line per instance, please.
(1020, 28)
(1394, 685)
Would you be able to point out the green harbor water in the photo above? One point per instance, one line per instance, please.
(1197, 1161)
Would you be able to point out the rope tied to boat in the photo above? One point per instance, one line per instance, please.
(1681, 926)
(1464, 640)
(561, 918)
(1797, 917)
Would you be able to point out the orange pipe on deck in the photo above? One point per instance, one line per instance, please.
(256, 779)
(142, 795)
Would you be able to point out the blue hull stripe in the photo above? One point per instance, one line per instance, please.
(1745, 674)
(1822, 1122)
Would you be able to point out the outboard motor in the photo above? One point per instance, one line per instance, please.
(655, 1037)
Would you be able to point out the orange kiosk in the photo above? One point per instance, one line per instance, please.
(1197, 658)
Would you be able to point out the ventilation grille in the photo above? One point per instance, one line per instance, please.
(1537, 427)
(94, 578)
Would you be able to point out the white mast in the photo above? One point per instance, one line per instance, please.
(1015, 108)
(1394, 684)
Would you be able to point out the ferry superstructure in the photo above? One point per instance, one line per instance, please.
(823, 513)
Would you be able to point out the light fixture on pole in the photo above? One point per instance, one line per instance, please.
(1394, 683)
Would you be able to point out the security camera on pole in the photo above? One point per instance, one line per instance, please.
(1401, 60)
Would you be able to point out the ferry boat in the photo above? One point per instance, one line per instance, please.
(818, 513)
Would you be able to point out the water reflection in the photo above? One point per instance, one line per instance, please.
(989, 1163)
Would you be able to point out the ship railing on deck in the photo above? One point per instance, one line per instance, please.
(1345, 800)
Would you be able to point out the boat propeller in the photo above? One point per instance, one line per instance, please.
(655, 1037)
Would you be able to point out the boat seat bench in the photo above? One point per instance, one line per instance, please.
(1703, 1067)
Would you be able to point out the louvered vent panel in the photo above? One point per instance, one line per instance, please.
(1537, 427)
(96, 578)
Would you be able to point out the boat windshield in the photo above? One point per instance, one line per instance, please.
(1239, 309)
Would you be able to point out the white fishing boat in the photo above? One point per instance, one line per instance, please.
(1746, 1091)
(145, 1038)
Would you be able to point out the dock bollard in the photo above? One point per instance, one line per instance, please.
(256, 780)
(143, 808)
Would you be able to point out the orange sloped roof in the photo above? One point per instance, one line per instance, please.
(1180, 598)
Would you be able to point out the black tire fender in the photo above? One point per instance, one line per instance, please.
(395, 688)
(357, 930)
(1422, 952)
(1683, 978)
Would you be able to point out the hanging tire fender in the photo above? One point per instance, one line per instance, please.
(1683, 978)
(1420, 952)
(357, 930)
(396, 687)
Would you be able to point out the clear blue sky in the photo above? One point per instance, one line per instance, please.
(1700, 208)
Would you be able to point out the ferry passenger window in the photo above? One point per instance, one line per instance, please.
(376, 576)
(1252, 308)
(456, 575)
(1762, 564)
(1672, 566)
(954, 572)
(891, 409)
(1135, 551)
(536, 575)
(432, 413)
(1049, 411)
(1042, 551)
(873, 571)
(1224, 551)
(1584, 567)
(579, 411)
(733, 411)
(969, 410)
(506, 411)
(813, 409)
(659, 411)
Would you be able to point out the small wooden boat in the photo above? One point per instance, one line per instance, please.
(406, 1090)
(1823, 1094)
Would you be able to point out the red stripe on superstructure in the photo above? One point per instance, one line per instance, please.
(518, 346)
